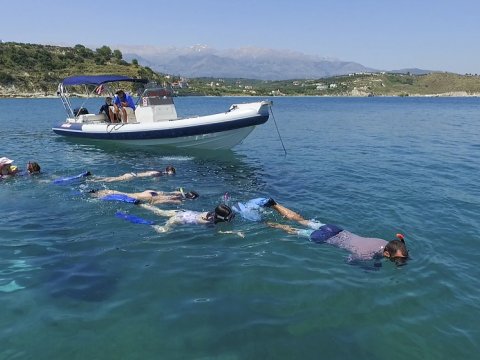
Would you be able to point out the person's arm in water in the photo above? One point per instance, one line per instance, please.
(290, 229)
(164, 213)
(158, 211)
(238, 233)
(165, 228)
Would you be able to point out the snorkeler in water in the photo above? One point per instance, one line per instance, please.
(147, 196)
(7, 168)
(169, 170)
(221, 213)
(33, 168)
(361, 248)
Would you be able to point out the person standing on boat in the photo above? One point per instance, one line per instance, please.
(108, 109)
(123, 104)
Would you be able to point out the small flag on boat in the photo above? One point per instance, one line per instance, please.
(99, 89)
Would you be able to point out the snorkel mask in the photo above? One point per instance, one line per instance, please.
(227, 218)
(33, 168)
(170, 170)
(222, 213)
(191, 195)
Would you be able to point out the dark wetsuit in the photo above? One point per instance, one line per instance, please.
(104, 109)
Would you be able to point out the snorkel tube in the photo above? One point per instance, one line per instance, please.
(191, 195)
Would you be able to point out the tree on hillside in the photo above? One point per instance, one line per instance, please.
(105, 52)
(83, 51)
(117, 54)
(6, 79)
(99, 60)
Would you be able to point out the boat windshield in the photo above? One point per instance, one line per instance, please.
(157, 92)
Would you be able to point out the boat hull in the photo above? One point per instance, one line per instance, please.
(219, 131)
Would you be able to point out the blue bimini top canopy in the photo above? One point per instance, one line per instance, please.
(98, 79)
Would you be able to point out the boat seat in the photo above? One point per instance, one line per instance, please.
(92, 117)
(131, 118)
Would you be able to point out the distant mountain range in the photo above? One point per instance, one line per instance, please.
(248, 62)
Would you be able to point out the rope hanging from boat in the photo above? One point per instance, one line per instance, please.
(278, 132)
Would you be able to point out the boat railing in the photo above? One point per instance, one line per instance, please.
(62, 92)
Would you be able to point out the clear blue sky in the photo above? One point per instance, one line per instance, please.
(384, 34)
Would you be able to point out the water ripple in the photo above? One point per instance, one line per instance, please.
(75, 281)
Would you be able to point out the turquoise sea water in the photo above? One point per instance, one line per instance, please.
(78, 283)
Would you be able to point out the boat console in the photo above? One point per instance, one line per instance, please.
(156, 104)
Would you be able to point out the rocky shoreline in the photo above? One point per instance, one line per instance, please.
(352, 94)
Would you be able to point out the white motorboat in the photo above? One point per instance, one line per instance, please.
(155, 121)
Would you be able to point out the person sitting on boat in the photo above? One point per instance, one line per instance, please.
(108, 110)
(123, 104)
(222, 213)
(169, 170)
(6, 167)
(147, 196)
(361, 248)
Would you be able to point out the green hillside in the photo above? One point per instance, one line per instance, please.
(377, 84)
(31, 69)
(36, 70)
(405, 84)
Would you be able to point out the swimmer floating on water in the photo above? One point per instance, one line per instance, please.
(148, 196)
(222, 213)
(169, 170)
(33, 168)
(361, 248)
(7, 168)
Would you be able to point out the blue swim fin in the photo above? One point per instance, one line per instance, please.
(69, 179)
(133, 219)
